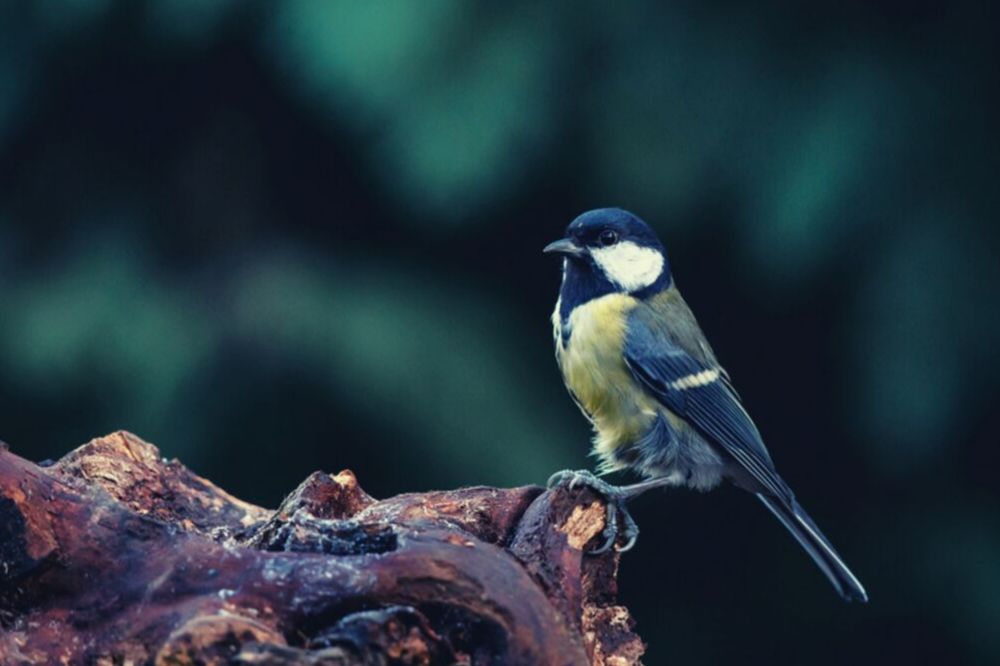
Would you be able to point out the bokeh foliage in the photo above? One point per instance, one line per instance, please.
(275, 237)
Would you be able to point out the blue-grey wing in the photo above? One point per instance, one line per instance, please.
(697, 390)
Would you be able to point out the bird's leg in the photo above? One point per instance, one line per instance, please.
(615, 499)
(634, 490)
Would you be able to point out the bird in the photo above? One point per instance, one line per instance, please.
(637, 364)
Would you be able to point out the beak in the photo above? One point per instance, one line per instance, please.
(564, 246)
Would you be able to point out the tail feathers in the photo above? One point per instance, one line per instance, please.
(798, 522)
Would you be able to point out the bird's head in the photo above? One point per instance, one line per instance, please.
(610, 250)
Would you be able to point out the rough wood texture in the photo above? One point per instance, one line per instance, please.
(114, 555)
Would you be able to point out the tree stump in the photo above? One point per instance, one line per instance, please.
(113, 555)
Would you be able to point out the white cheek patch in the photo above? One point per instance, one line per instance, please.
(628, 265)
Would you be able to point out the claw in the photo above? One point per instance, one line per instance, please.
(559, 477)
(614, 505)
(629, 544)
(631, 532)
(610, 531)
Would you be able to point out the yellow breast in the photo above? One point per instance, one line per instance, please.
(594, 369)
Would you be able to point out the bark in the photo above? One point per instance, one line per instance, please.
(113, 555)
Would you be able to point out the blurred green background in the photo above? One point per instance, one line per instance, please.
(278, 237)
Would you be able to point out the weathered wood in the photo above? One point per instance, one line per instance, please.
(114, 555)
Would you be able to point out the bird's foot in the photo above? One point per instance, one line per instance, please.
(615, 499)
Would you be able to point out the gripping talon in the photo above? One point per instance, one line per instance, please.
(631, 532)
(558, 478)
(610, 531)
(629, 544)
(614, 498)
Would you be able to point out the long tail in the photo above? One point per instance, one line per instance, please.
(798, 522)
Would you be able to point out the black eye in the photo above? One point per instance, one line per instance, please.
(608, 237)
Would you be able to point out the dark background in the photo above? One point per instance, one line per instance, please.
(277, 237)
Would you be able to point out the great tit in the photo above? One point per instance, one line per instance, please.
(640, 369)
